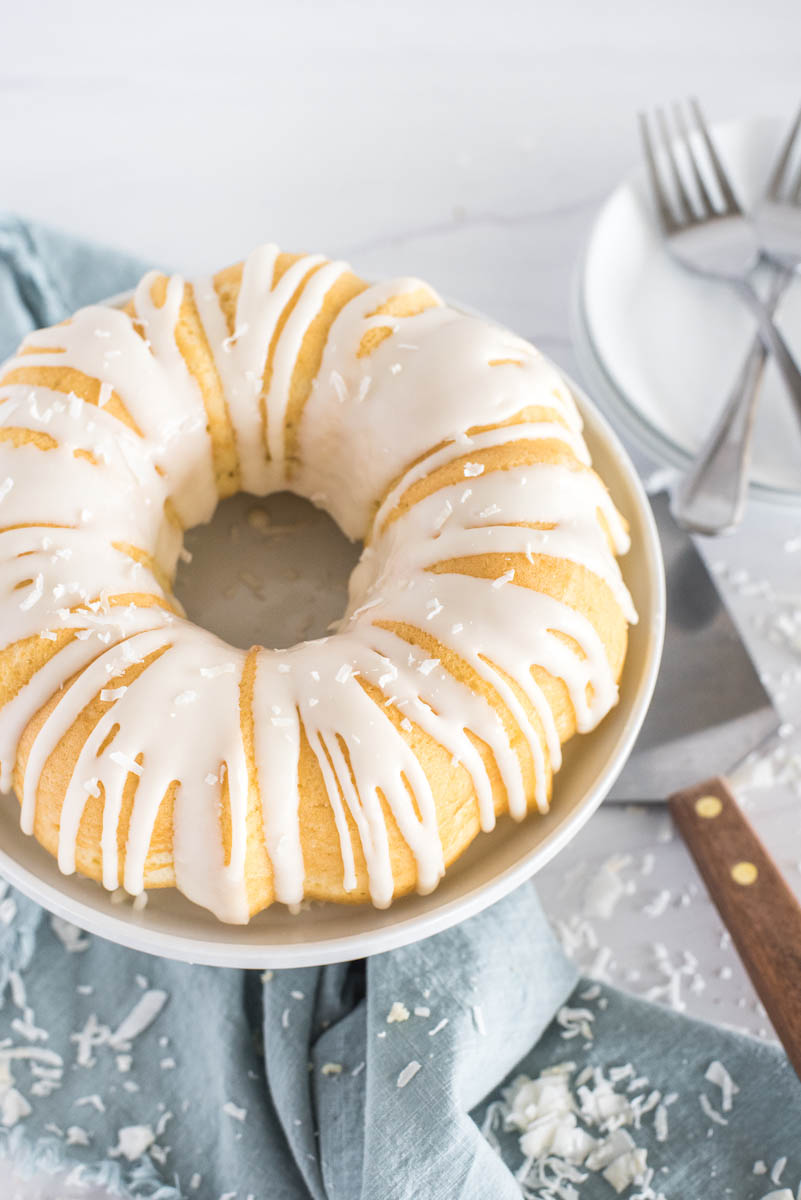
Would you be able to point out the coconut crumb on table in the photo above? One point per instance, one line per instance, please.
(233, 1110)
(408, 1073)
(575, 1022)
(570, 1124)
(398, 1012)
(133, 1141)
(141, 1016)
(717, 1074)
(711, 1112)
(573, 1121)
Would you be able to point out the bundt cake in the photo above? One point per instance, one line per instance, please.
(487, 618)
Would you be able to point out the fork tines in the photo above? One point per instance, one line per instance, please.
(782, 185)
(687, 198)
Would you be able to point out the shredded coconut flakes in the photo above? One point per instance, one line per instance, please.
(571, 1124)
(408, 1073)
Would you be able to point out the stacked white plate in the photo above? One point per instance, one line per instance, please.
(660, 348)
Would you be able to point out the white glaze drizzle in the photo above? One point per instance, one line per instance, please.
(78, 533)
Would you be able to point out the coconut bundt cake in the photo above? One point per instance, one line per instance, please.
(487, 619)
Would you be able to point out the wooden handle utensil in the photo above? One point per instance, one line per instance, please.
(757, 907)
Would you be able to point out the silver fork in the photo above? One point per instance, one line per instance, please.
(778, 218)
(711, 496)
(718, 242)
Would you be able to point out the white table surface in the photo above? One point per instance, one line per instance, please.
(470, 144)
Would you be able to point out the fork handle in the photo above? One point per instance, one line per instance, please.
(774, 342)
(711, 496)
(757, 906)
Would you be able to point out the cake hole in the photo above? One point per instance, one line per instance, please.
(271, 571)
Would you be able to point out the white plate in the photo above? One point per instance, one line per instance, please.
(661, 347)
(495, 864)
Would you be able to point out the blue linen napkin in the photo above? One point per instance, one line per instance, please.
(167, 1081)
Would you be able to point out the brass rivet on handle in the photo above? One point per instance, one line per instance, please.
(708, 806)
(744, 873)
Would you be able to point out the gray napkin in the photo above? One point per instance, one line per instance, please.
(382, 1079)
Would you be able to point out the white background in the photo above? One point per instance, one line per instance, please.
(467, 143)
